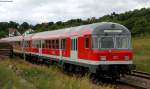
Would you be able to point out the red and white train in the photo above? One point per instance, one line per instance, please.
(101, 48)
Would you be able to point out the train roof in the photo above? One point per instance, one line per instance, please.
(96, 28)
(11, 39)
(4, 40)
(28, 37)
(110, 28)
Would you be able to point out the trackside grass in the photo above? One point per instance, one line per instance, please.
(18, 74)
(141, 47)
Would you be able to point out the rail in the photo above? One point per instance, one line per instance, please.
(5, 52)
(141, 74)
(136, 79)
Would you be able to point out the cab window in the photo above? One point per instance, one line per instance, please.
(87, 43)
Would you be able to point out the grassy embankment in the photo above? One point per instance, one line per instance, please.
(141, 46)
(23, 75)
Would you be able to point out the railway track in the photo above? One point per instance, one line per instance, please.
(5, 53)
(137, 80)
(141, 74)
(5, 50)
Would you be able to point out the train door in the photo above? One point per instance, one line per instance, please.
(40, 47)
(60, 50)
(74, 48)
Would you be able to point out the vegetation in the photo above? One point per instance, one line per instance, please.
(137, 21)
(18, 74)
(141, 47)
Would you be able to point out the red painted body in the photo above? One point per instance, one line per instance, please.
(84, 53)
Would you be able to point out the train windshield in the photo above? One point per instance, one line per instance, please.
(122, 42)
(111, 42)
(106, 42)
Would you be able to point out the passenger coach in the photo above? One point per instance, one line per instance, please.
(102, 48)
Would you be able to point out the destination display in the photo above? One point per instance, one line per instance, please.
(107, 31)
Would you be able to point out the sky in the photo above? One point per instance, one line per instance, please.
(38, 11)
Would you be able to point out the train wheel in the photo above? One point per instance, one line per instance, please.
(39, 60)
(72, 68)
(66, 67)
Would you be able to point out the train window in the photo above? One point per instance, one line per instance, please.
(24, 44)
(71, 44)
(122, 42)
(57, 44)
(38, 44)
(18, 43)
(47, 44)
(53, 44)
(74, 46)
(43, 44)
(87, 42)
(95, 42)
(63, 44)
(28, 43)
(50, 44)
(74, 43)
(106, 42)
(33, 44)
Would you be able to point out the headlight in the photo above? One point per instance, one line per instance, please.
(103, 58)
(126, 58)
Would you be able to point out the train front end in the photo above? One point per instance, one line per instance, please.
(112, 48)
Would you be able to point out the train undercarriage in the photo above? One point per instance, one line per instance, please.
(113, 71)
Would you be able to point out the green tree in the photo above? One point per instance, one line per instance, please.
(23, 27)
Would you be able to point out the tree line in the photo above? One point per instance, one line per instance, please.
(137, 21)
